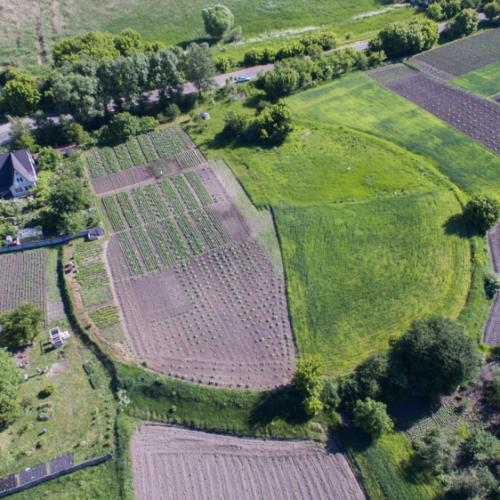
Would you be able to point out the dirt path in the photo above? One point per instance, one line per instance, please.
(174, 463)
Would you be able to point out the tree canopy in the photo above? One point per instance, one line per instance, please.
(218, 20)
(309, 384)
(199, 66)
(433, 357)
(20, 95)
(371, 416)
(21, 326)
(482, 212)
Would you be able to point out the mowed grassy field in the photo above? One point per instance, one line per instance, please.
(358, 102)
(484, 81)
(359, 273)
(28, 28)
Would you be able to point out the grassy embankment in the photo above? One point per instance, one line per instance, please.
(484, 81)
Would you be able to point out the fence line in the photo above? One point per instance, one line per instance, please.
(44, 243)
(55, 475)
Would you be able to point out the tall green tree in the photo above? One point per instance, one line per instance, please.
(129, 42)
(308, 382)
(482, 212)
(433, 357)
(218, 20)
(20, 95)
(165, 73)
(21, 326)
(199, 66)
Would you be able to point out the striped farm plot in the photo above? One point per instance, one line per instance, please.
(23, 279)
(142, 150)
(170, 463)
(200, 297)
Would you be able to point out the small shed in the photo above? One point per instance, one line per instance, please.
(29, 234)
(57, 337)
(96, 233)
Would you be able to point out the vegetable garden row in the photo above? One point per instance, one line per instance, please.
(141, 150)
(159, 224)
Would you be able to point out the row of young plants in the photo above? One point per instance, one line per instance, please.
(141, 150)
(105, 317)
(199, 188)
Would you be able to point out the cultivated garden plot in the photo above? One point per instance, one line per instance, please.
(462, 56)
(172, 463)
(142, 158)
(474, 116)
(200, 297)
(23, 278)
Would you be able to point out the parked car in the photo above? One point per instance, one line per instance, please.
(242, 79)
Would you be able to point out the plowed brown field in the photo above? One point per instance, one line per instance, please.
(172, 463)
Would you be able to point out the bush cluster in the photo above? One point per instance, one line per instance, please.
(324, 41)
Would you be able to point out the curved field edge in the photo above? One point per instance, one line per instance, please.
(472, 167)
(360, 273)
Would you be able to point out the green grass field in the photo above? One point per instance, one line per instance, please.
(484, 81)
(357, 101)
(359, 273)
(385, 466)
(29, 28)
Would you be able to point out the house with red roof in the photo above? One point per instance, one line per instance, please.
(17, 174)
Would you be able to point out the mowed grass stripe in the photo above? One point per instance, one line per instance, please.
(359, 273)
(469, 165)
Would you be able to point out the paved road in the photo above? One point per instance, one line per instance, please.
(220, 80)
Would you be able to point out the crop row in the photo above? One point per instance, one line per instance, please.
(110, 161)
(216, 223)
(160, 243)
(133, 263)
(95, 163)
(147, 147)
(189, 158)
(189, 233)
(209, 232)
(135, 152)
(148, 256)
(156, 202)
(445, 416)
(171, 196)
(178, 246)
(168, 141)
(186, 194)
(199, 188)
(141, 202)
(123, 156)
(128, 209)
(105, 317)
(113, 213)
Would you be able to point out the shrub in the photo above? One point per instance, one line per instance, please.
(371, 416)
(481, 446)
(49, 158)
(492, 10)
(223, 64)
(435, 451)
(218, 20)
(477, 482)
(464, 23)
(47, 391)
(274, 123)
(405, 39)
(291, 50)
(235, 125)
(482, 213)
(450, 8)
(491, 284)
(435, 11)
(308, 383)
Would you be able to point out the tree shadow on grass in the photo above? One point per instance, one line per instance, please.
(457, 225)
(284, 404)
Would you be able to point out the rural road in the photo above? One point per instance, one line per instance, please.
(220, 80)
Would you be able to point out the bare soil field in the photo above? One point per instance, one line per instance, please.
(174, 463)
(23, 279)
(494, 244)
(200, 297)
(461, 56)
(122, 180)
(474, 116)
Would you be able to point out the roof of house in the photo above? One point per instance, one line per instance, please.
(16, 161)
